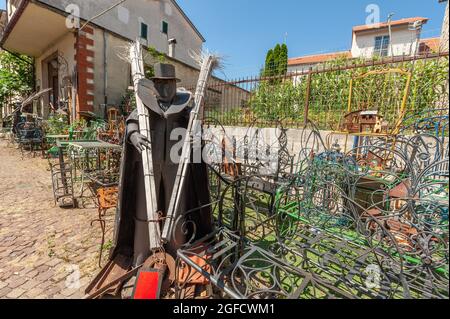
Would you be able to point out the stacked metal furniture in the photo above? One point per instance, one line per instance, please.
(62, 182)
(30, 137)
(371, 222)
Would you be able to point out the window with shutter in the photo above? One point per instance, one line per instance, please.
(144, 31)
(165, 27)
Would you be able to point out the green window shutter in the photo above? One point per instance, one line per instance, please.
(165, 27)
(144, 31)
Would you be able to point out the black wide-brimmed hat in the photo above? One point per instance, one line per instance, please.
(164, 71)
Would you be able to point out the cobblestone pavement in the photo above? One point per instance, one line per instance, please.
(43, 249)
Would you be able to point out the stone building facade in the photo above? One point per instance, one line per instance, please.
(84, 64)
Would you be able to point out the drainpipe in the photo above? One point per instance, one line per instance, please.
(34, 74)
(105, 69)
(418, 27)
(390, 33)
(415, 40)
(172, 46)
(75, 83)
(74, 96)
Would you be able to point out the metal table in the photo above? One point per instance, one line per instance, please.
(85, 149)
(91, 145)
(57, 137)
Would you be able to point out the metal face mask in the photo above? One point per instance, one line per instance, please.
(165, 90)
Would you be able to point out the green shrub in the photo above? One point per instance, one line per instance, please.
(329, 92)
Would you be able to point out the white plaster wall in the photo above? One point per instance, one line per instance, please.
(295, 145)
(268, 136)
(118, 77)
(125, 21)
(118, 71)
(403, 42)
(300, 68)
(363, 44)
(64, 47)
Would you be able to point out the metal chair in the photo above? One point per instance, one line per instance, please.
(62, 183)
(107, 198)
(29, 137)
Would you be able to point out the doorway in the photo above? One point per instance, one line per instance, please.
(53, 82)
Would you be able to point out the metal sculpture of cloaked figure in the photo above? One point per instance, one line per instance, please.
(169, 109)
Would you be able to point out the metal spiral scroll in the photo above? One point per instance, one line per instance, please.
(368, 223)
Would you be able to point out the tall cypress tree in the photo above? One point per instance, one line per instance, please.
(277, 55)
(269, 63)
(283, 60)
(276, 61)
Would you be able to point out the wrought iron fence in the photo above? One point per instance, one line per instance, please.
(321, 94)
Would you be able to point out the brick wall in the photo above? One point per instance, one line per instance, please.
(84, 58)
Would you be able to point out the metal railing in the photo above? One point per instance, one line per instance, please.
(321, 94)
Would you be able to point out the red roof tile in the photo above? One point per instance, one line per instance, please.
(429, 45)
(318, 58)
(366, 27)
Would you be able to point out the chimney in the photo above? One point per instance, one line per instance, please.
(172, 45)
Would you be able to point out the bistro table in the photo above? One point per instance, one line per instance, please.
(51, 140)
(57, 137)
(94, 145)
(101, 174)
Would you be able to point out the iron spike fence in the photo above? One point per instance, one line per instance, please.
(321, 93)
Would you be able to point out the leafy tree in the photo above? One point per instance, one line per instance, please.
(16, 76)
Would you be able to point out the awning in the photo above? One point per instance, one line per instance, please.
(33, 29)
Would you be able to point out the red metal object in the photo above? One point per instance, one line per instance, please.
(191, 276)
(148, 285)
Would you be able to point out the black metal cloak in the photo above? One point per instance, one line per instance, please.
(131, 228)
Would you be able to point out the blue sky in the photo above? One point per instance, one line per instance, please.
(243, 30)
